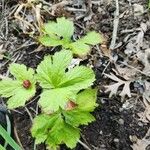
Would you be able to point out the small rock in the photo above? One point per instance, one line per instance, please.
(121, 121)
(101, 132)
(140, 124)
(116, 140)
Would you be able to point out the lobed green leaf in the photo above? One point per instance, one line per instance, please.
(50, 41)
(54, 131)
(8, 87)
(62, 28)
(92, 38)
(61, 86)
(14, 90)
(59, 34)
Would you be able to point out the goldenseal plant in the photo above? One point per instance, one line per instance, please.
(66, 99)
(64, 106)
(60, 33)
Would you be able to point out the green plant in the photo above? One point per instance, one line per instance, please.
(63, 125)
(61, 32)
(8, 139)
(66, 99)
(21, 89)
(64, 106)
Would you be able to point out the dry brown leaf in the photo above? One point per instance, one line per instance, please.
(113, 89)
(145, 116)
(142, 144)
(137, 41)
(126, 73)
(144, 57)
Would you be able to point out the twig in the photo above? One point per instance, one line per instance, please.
(27, 110)
(106, 68)
(17, 138)
(33, 100)
(75, 9)
(115, 29)
(45, 3)
(84, 145)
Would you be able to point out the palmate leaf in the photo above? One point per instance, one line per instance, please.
(62, 28)
(20, 97)
(8, 87)
(14, 90)
(82, 46)
(59, 34)
(92, 38)
(60, 86)
(41, 125)
(53, 130)
(61, 127)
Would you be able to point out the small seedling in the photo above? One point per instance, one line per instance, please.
(65, 107)
(19, 90)
(61, 32)
(66, 100)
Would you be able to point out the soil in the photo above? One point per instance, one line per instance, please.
(115, 127)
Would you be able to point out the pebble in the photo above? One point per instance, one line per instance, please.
(140, 124)
(116, 140)
(121, 121)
